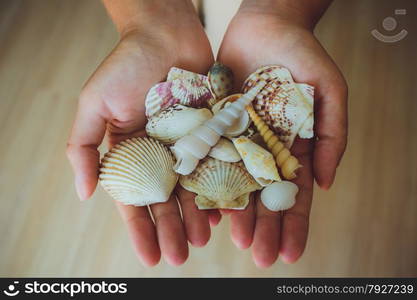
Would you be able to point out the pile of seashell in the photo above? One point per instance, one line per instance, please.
(220, 146)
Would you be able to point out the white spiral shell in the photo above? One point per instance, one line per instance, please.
(138, 172)
(196, 145)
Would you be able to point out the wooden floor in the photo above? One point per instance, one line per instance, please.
(365, 226)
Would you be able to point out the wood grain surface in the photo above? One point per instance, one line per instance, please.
(366, 225)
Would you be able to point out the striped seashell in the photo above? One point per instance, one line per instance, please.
(188, 90)
(220, 184)
(283, 104)
(138, 172)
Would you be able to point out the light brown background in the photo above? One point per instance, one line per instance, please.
(365, 226)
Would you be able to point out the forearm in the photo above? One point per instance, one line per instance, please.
(130, 15)
(305, 13)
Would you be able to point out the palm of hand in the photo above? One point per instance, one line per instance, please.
(112, 103)
(251, 42)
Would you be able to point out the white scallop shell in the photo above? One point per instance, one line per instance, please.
(241, 124)
(283, 104)
(279, 195)
(220, 184)
(224, 150)
(196, 145)
(175, 122)
(259, 162)
(138, 172)
(183, 87)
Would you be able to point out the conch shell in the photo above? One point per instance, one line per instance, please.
(279, 195)
(288, 163)
(183, 87)
(138, 172)
(176, 121)
(283, 104)
(241, 124)
(189, 149)
(220, 80)
(225, 150)
(220, 184)
(259, 162)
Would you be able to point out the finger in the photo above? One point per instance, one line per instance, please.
(142, 233)
(214, 217)
(242, 224)
(265, 247)
(196, 221)
(170, 231)
(86, 135)
(295, 220)
(331, 131)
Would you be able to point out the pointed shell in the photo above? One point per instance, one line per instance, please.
(139, 172)
(175, 122)
(220, 80)
(183, 88)
(241, 124)
(218, 184)
(279, 195)
(259, 162)
(225, 150)
(283, 104)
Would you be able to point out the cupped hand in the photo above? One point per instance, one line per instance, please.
(256, 39)
(112, 104)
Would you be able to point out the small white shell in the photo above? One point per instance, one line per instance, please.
(139, 172)
(225, 150)
(279, 195)
(185, 148)
(259, 162)
(175, 122)
(219, 184)
(241, 124)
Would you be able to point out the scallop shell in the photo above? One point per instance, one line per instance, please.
(282, 103)
(279, 195)
(220, 80)
(197, 144)
(138, 172)
(220, 184)
(259, 162)
(224, 150)
(241, 124)
(175, 122)
(182, 88)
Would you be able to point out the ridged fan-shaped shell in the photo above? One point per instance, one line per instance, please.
(218, 184)
(138, 171)
(279, 195)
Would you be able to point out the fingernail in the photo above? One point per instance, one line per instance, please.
(80, 190)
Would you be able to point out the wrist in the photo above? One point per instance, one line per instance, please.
(300, 13)
(149, 15)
